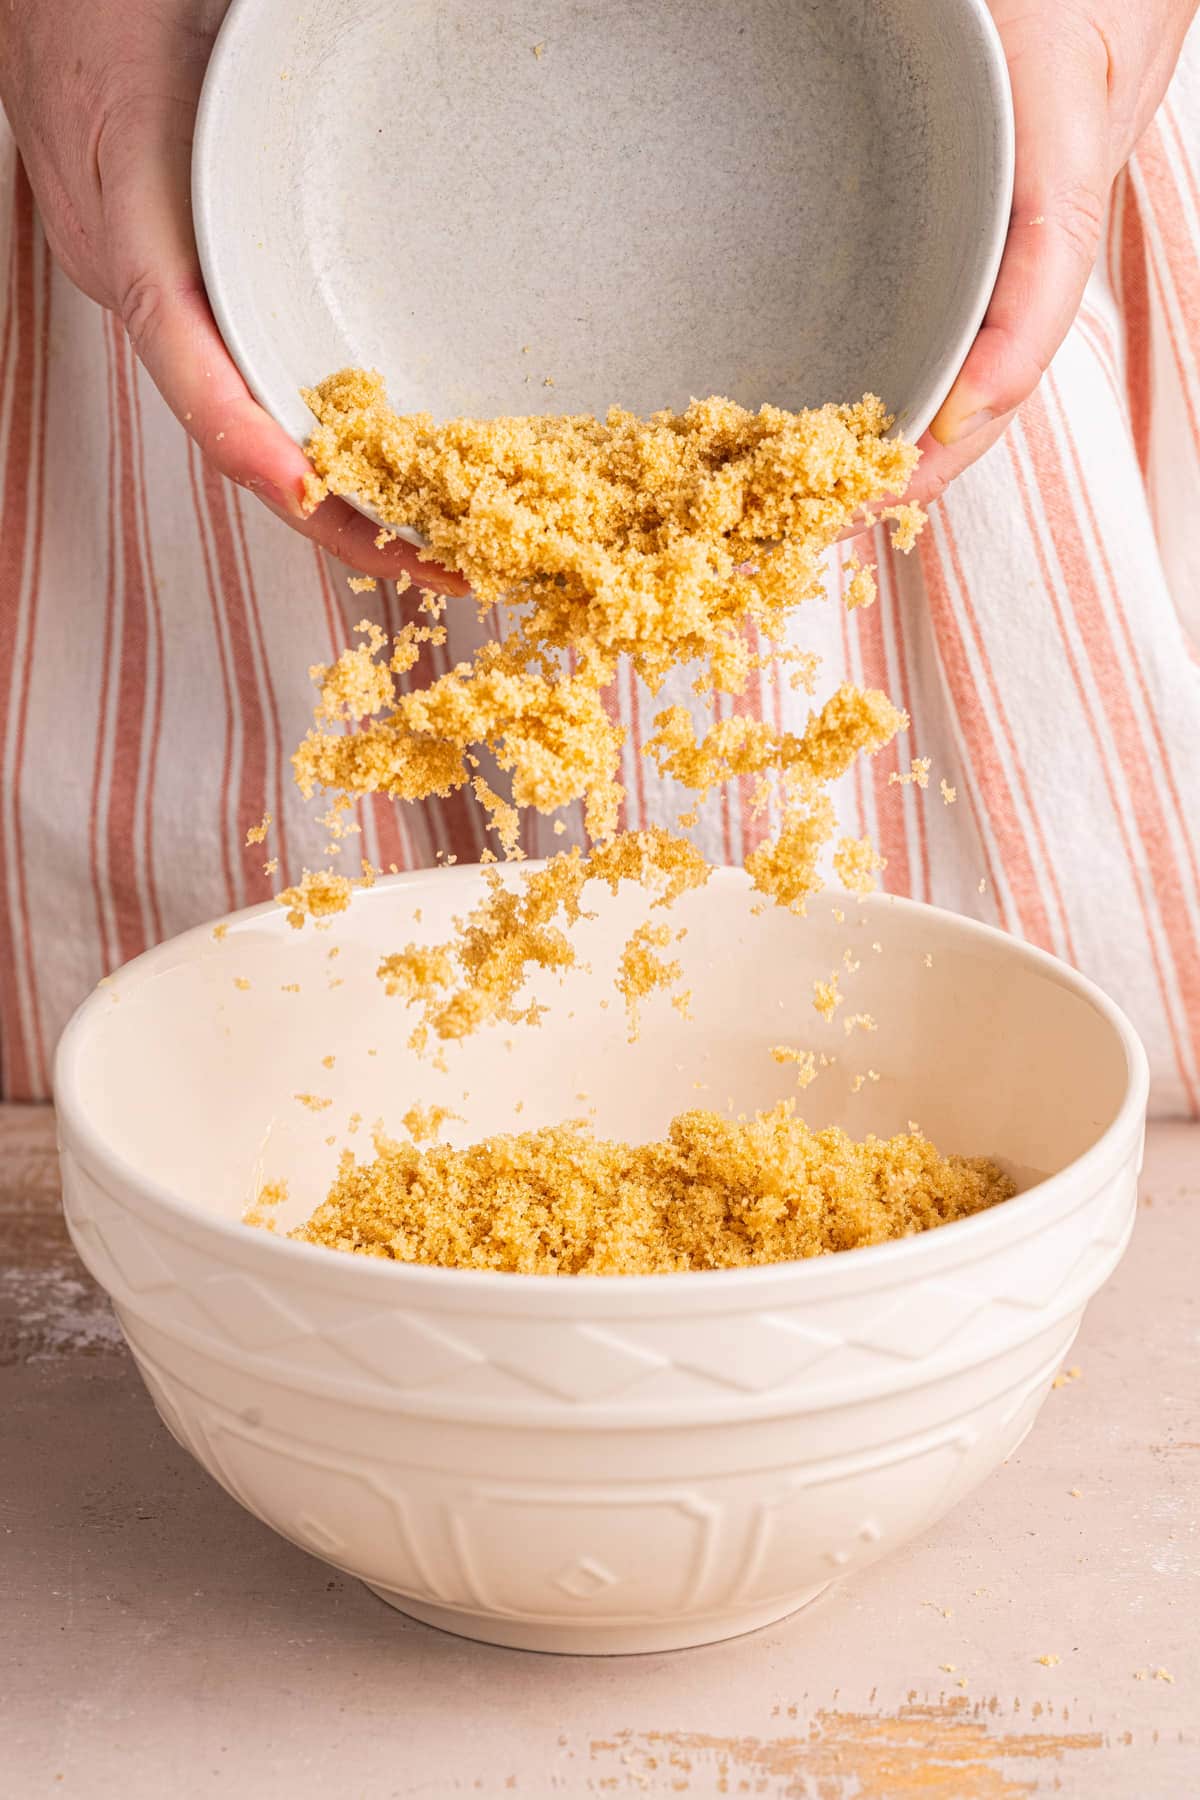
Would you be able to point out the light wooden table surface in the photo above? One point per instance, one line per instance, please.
(157, 1641)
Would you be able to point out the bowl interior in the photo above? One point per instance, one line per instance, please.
(192, 1076)
(594, 201)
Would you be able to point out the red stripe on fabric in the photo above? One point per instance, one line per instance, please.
(155, 665)
(133, 655)
(990, 762)
(226, 827)
(1108, 669)
(891, 838)
(22, 1046)
(1135, 306)
(110, 955)
(246, 693)
(275, 778)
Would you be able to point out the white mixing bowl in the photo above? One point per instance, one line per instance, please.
(595, 1464)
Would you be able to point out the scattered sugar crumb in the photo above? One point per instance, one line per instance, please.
(221, 932)
(826, 998)
(804, 1060)
(424, 1123)
(314, 1102)
(261, 1210)
(257, 833)
(1050, 1660)
(949, 794)
(918, 773)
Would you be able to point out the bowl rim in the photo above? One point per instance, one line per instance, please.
(989, 71)
(1014, 1219)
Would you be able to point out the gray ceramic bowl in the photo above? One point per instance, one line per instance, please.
(513, 209)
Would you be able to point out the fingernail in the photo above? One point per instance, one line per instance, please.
(278, 498)
(951, 425)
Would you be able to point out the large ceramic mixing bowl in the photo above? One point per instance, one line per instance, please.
(595, 1464)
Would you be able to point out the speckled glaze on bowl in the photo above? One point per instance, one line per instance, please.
(602, 201)
(595, 1464)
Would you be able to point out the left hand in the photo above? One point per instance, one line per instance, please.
(1087, 77)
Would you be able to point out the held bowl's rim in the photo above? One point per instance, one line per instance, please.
(916, 411)
(994, 78)
(866, 1267)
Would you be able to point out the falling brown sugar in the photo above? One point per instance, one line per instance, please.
(679, 540)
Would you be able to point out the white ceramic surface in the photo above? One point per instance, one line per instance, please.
(780, 200)
(595, 1464)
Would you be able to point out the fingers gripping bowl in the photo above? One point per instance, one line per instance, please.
(594, 1464)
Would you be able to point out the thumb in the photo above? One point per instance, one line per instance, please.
(1060, 99)
(144, 162)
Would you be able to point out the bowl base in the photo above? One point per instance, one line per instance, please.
(595, 1640)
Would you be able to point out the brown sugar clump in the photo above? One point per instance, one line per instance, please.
(805, 1061)
(317, 895)
(642, 970)
(711, 1195)
(424, 1123)
(856, 861)
(261, 1211)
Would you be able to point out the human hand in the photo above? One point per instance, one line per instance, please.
(1087, 78)
(101, 96)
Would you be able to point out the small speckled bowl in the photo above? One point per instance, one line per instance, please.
(514, 209)
(595, 1464)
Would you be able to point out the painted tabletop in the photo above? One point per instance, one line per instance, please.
(155, 1639)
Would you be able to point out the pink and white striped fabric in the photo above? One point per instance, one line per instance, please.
(156, 629)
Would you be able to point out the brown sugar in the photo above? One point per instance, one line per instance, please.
(664, 541)
(713, 1194)
(682, 540)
